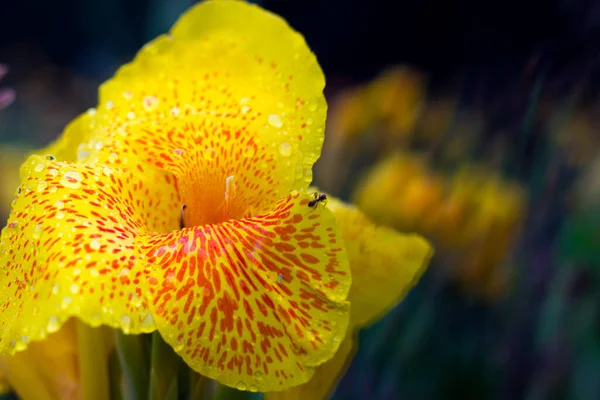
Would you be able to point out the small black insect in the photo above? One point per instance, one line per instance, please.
(181, 217)
(318, 198)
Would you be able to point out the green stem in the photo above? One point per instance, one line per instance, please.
(93, 363)
(116, 377)
(134, 362)
(163, 370)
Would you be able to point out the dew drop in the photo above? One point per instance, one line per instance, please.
(285, 149)
(312, 106)
(147, 322)
(53, 324)
(18, 191)
(178, 345)
(244, 109)
(175, 111)
(112, 157)
(91, 112)
(127, 95)
(107, 171)
(59, 204)
(253, 388)
(210, 154)
(275, 120)
(150, 102)
(39, 167)
(55, 288)
(74, 288)
(95, 244)
(241, 386)
(71, 179)
(66, 302)
(60, 215)
(52, 172)
(94, 272)
(37, 231)
(309, 122)
(130, 115)
(82, 155)
(125, 322)
(42, 185)
(109, 105)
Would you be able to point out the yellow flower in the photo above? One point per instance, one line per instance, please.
(180, 205)
(474, 216)
(385, 264)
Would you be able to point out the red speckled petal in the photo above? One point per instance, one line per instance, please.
(68, 249)
(232, 100)
(255, 303)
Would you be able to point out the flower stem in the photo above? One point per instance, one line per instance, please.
(132, 354)
(163, 370)
(93, 363)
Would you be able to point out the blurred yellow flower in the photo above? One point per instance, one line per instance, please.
(474, 216)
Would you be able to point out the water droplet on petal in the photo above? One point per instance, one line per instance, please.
(150, 102)
(285, 149)
(53, 324)
(130, 115)
(244, 109)
(241, 386)
(95, 244)
(60, 215)
(312, 106)
(175, 111)
(309, 122)
(37, 231)
(74, 288)
(275, 120)
(66, 301)
(39, 167)
(125, 322)
(91, 112)
(71, 179)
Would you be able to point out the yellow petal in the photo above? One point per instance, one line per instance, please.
(52, 367)
(385, 264)
(68, 249)
(326, 377)
(255, 303)
(233, 97)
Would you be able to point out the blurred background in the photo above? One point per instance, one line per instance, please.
(470, 122)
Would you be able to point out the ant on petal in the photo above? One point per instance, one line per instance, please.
(318, 198)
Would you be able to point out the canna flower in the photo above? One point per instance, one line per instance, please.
(180, 205)
(385, 264)
(473, 216)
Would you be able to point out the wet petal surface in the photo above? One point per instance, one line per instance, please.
(254, 303)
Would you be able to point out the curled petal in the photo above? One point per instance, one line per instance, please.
(385, 264)
(68, 249)
(255, 303)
